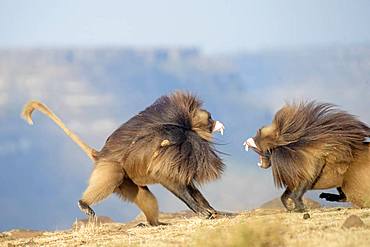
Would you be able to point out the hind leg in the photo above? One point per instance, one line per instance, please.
(105, 178)
(142, 197)
(356, 183)
(334, 197)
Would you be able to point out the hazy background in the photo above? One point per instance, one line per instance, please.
(98, 63)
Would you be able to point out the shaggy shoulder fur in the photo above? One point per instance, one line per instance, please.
(187, 156)
(308, 133)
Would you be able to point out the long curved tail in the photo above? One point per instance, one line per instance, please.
(27, 115)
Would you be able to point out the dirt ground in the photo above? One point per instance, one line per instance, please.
(259, 227)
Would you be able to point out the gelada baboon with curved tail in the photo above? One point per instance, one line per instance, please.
(314, 145)
(169, 143)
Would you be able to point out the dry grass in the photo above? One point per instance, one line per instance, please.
(241, 234)
(261, 227)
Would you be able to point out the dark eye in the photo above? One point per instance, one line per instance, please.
(268, 154)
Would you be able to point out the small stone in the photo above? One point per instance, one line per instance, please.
(306, 216)
(353, 221)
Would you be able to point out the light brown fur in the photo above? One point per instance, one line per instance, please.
(313, 145)
(27, 115)
(356, 181)
(167, 143)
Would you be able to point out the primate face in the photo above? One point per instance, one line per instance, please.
(203, 120)
(263, 143)
(204, 125)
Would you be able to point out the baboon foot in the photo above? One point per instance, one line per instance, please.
(163, 224)
(288, 204)
(225, 214)
(141, 224)
(296, 209)
(292, 205)
(332, 197)
(300, 210)
(158, 224)
(84, 207)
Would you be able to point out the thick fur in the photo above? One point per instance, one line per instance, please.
(312, 133)
(313, 145)
(356, 181)
(188, 155)
(169, 143)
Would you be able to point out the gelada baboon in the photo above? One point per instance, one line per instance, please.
(169, 143)
(316, 146)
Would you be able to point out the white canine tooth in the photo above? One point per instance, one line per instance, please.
(219, 127)
(245, 146)
(251, 143)
(259, 164)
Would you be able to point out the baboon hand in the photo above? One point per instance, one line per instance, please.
(209, 213)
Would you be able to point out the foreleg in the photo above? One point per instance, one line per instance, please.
(192, 197)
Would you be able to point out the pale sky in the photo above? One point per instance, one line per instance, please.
(55, 172)
(214, 26)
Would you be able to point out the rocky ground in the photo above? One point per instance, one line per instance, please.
(269, 225)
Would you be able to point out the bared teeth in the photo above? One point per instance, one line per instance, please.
(219, 127)
(249, 143)
(260, 161)
(245, 146)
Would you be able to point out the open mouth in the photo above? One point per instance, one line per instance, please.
(260, 161)
(250, 144)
